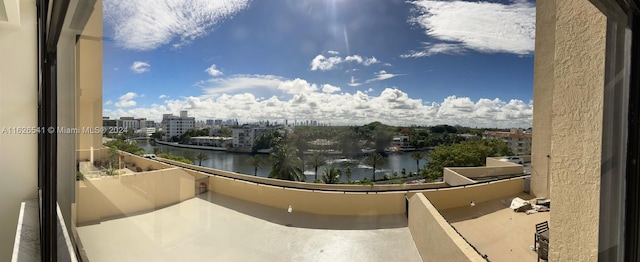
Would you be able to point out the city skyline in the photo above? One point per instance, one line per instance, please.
(339, 61)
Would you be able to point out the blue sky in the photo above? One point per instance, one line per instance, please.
(334, 61)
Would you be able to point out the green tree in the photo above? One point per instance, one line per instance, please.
(417, 156)
(286, 163)
(157, 135)
(375, 160)
(382, 139)
(464, 154)
(266, 140)
(176, 158)
(256, 161)
(349, 143)
(347, 172)
(185, 139)
(114, 156)
(201, 157)
(331, 175)
(225, 131)
(316, 160)
(122, 145)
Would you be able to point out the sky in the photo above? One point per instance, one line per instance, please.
(338, 62)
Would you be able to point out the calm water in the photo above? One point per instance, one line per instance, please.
(238, 163)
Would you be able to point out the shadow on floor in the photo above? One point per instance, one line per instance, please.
(304, 219)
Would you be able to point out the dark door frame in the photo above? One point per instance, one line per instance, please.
(50, 19)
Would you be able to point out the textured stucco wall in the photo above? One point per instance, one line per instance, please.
(108, 197)
(434, 237)
(543, 84)
(462, 196)
(18, 108)
(317, 202)
(576, 130)
(453, 178)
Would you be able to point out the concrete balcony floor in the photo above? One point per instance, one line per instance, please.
(495, 230)
(213, 227)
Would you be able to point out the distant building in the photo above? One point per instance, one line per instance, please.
(176, 125)
(245, 136)
(146, 131)
(401, 142)
(212, 141)
(517, 140)
(468, 136)
(109, 122)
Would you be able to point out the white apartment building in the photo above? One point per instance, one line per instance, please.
(245, 136)
(516, 139)
(176, 125)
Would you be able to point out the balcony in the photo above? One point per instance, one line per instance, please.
(162, 216)
(215, 227)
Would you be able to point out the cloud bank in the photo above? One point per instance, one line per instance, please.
(148, 24)
(234, 98)
(480, 26)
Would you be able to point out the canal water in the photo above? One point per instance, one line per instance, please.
(237, 162)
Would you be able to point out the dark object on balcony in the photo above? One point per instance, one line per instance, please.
(543, 250)
(544, 202)
(542, 232)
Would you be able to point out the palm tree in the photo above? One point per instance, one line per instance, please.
(374, 160)
(286, 164)
(114, 157)
(331, 175)
(201, 157)
(316, 160)
(348, 174)
(417, 156)
(256, 161)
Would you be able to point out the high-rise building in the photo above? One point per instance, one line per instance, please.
(175, 126)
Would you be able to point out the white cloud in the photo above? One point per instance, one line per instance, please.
(323, 63)
(481, 26)
(212, 71)
(235, 97)
(108, 102)
(429, 49)
(126, 100)
(328, 89)
(370, 61)
(149, 24)
(240, 83)
(382, 75)
(297, 86)
(353, 58)
(163, 96)
(331, 52)
(140, 67)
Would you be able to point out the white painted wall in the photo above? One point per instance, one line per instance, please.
(18, 108)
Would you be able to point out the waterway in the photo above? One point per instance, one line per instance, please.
(237, 162)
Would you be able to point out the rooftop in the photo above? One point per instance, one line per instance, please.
(221, 228)
(496, 230)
